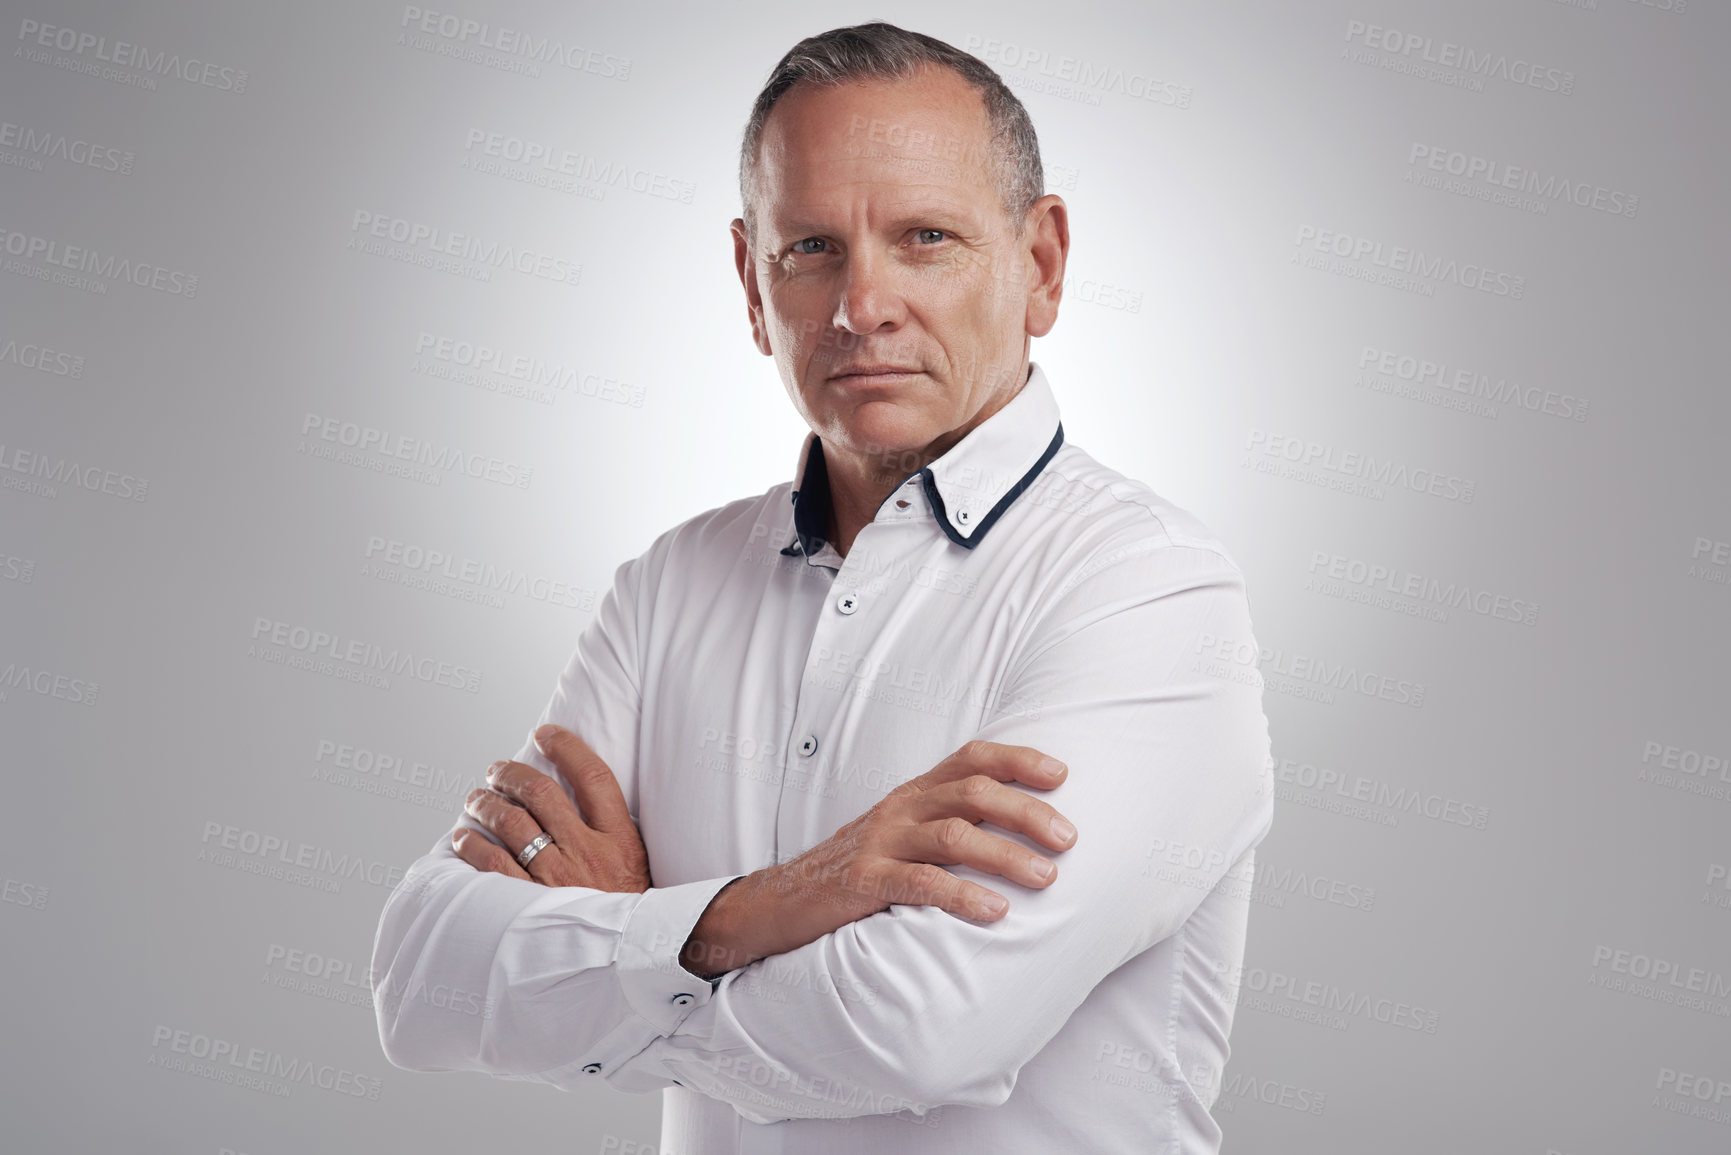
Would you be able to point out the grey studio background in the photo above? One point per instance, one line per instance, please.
(1421, 306)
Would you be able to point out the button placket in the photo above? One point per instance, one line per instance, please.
(836, 636)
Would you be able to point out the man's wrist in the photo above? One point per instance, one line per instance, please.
(726, 936)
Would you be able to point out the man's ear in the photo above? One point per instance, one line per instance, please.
(1047, 235)
(747, 269)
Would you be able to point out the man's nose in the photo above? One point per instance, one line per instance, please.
(869, 299)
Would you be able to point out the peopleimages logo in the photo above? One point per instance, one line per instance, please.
(1498, 175)
(226, 1061)
(1685, 1093)
(1663, 971)
(432, 243)
(1238, 1086)
(268, 853)
(1415, 49)
(1286, 880)
(448, 356)
(28, 355)
(1305, 671)
(37, 144)
(46, 472)
(318, 975)
(419, 566)
(1716, 567)
(1348, 470)
(418, 451)
(1334, 791)
(1374, 261)
(47, 684)
(1091, 78)
(17, 569)
(394, 767)
(514, 44)
(1333, 1002)
(353, 658)
(33, 34)
(88, 268)
(1471, 385)
(553, 160)
(1406, 588)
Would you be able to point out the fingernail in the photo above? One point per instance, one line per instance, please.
(545, 732)
(493, 770)
(1053, 767)
(993, 906)
(1041, 867)
(1062, 830)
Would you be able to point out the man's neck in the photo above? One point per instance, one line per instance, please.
(859, 483)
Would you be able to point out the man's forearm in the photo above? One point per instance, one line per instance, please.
(748, 919)
(717, 943)
(768, 912)
(891, 854)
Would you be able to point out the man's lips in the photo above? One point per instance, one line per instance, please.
(873, 374)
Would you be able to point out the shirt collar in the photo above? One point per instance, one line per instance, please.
(970, 486)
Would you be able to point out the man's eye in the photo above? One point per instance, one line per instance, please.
(930, 236)
(801, 246)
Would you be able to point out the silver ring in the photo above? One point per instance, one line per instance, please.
(540, 843)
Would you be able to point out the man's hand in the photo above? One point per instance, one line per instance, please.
(892, 854)
(597, 846)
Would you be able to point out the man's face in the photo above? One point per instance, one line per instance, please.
(885, 275)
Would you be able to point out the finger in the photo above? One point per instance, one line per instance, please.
(485, 856)
(978, 798)
(957, 842)
(923, 884)
(509, 821)
(998, 760)
(598, 792)
(543, 798)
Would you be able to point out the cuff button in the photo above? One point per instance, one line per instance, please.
(592, 1069)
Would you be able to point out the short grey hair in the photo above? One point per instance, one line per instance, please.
(880, 51)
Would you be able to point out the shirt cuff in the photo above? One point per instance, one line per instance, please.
(657, 987)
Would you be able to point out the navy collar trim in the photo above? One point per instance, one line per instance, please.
(809, 523)
(997, 511)
(810, 500)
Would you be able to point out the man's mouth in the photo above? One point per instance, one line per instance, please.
(873, 374)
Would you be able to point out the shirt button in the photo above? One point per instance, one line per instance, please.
(847, 603)
(809, 746)
(964, 515)
(682, 1000)
(592, 1069)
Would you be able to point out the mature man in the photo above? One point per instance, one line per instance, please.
(716, 867)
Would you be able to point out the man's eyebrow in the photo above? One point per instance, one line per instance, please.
(926, 214)
(792, 227)
(922, 215)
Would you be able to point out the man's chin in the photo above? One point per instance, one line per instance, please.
(887, 427)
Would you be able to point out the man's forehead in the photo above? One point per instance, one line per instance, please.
(932, 114)
(903, 148)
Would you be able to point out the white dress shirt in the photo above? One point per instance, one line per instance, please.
(753, 690)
